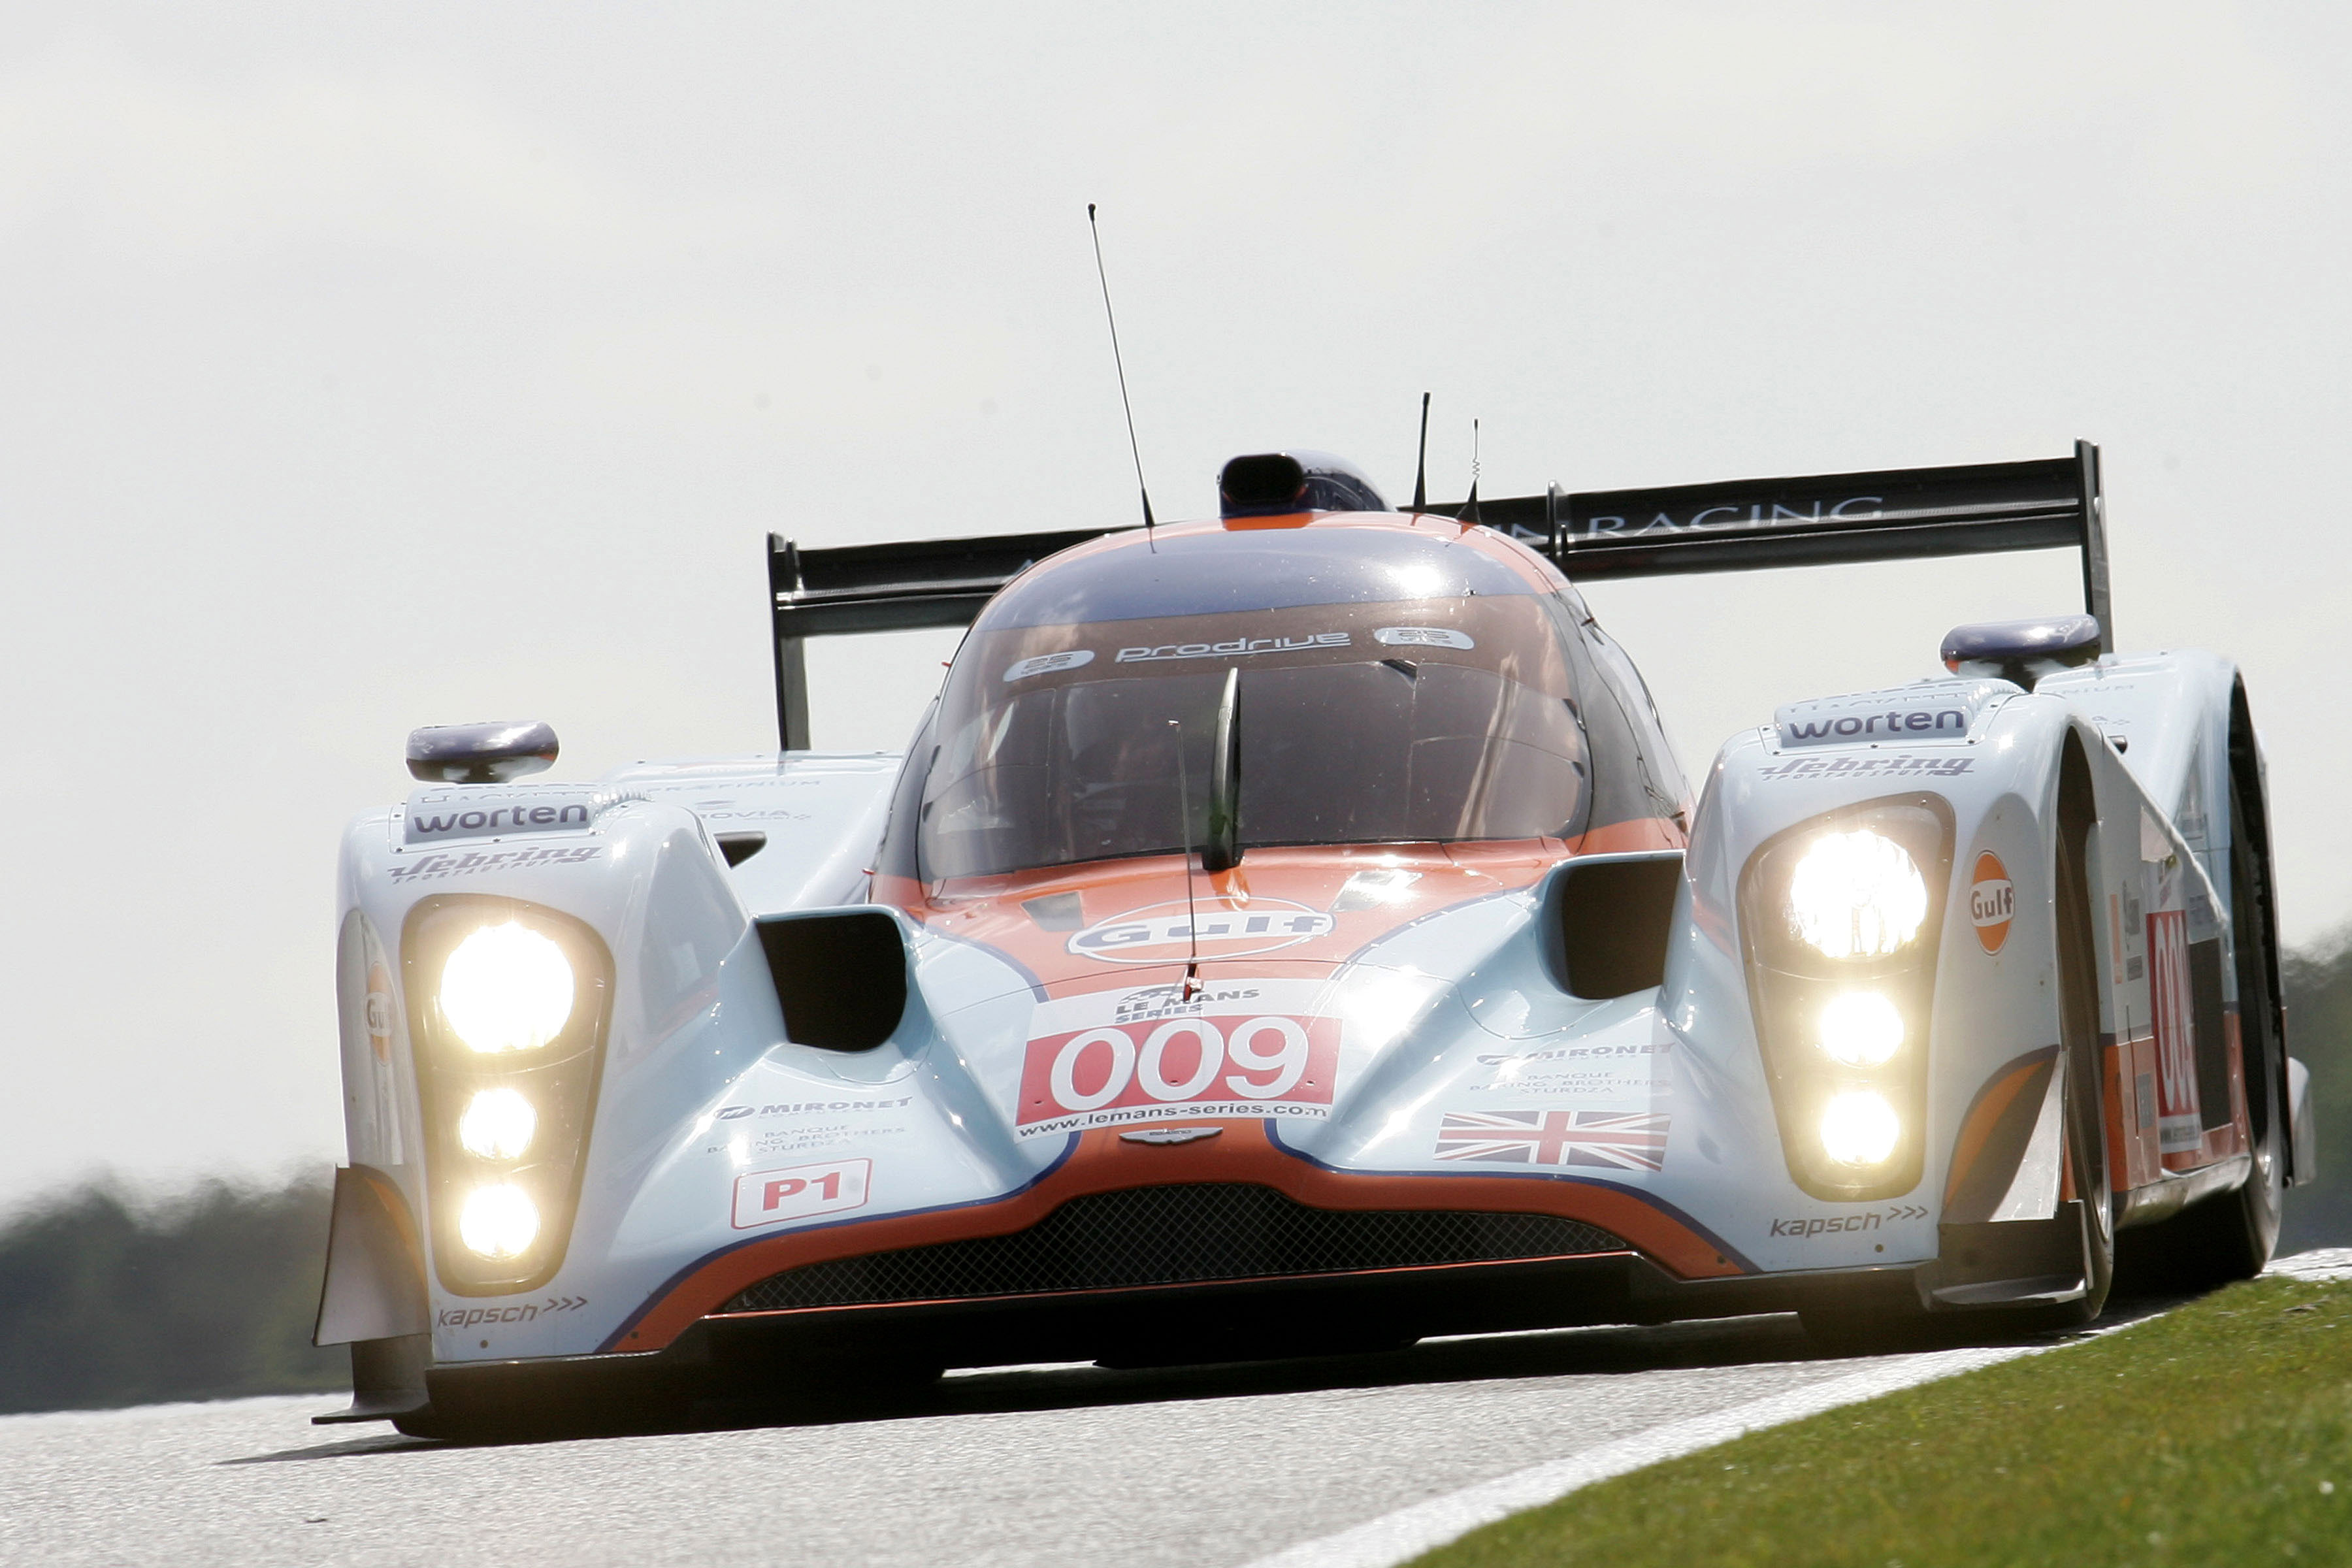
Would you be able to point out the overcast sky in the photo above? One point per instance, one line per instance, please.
(365, 366)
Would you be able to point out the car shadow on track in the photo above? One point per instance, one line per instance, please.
(1554, 1354)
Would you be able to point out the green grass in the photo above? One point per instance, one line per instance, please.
(2221, 1433)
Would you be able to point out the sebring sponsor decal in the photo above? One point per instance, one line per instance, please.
(1805, 1229)
(1882, 767)
(432, 868)
(527, 1311)
(1221, 930)
(1992, 901)
(796, 1192)
(1610, 1140)
(1236, 1064)
(1232, 647)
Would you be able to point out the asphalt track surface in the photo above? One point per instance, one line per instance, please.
(1216, 1466)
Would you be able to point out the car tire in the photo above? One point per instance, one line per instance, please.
(2231, 1235)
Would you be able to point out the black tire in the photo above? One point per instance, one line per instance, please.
(2232, 1234)
(2087, 1096)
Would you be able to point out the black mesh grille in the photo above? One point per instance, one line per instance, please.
(1166, 1236)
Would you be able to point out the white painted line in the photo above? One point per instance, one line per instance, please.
(1398, 1536)
(2326, 1263)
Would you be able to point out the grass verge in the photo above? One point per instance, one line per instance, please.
(2221, 1433)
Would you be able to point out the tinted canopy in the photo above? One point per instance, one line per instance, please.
(1393, 688)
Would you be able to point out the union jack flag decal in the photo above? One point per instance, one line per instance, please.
(1613, 1140)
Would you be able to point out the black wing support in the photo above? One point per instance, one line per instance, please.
(1899, 514)
(885, 588)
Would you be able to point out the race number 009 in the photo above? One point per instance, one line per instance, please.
(1122, 1065)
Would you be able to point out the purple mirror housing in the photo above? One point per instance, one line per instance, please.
(491, 751)
(2021, 651)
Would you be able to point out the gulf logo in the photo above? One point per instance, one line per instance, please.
(1992, 902)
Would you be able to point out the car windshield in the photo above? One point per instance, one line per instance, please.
(1372, 720)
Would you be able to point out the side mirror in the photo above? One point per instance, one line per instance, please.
(1608, 919)
(489, 753)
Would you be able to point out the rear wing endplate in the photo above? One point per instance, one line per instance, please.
(1896, 514)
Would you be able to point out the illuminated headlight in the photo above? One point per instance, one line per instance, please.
(498, 1222)
(1856, 895)
(1861, 1029)
(496, 1124)
(1859, 1127)
(506, 988)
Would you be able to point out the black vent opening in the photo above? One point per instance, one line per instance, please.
(1169, 1235)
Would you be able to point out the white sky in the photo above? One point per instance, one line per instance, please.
(368, 366)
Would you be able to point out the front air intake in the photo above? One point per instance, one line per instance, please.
(1173, 1236)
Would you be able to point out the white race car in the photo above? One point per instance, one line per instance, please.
(1290, 932)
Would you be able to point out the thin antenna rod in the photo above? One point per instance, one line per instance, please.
(1421, 461)
(1191, 917)
(1108, 315)
(1469, 513)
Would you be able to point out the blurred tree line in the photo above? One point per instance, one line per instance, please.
(105, 1300)
(2318, 985)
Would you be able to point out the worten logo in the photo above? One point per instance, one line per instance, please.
(1992, 901)
(1232, 648)
(1892, 724)
(434, 816)
(764, 1197)
(1147, 935)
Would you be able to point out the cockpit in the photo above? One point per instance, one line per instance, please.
(1396, 684)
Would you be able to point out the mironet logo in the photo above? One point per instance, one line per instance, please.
(1163, 931)
(1992, 901)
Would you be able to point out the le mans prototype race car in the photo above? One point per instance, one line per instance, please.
(1291, 933)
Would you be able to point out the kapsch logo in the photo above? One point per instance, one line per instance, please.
(1992, 901)
(1157, 934)
(766, 1198)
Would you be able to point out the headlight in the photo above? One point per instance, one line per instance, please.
(1859, 1127)
(506, 988)
(1841, 917)
(498, 1125)
(1861, 1029)
(509, 1003)
(499, 1223)
(1856, 895)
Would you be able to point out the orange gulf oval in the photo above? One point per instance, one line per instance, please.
(1992, 901)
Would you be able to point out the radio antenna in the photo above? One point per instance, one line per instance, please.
(1469, 513)
(1192, 914)
(1108, 315)
(1421, 461)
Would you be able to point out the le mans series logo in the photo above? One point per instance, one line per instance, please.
(1992, 901)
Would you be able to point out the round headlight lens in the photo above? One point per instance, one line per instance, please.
(1859, 1127)
(498, 1221)
(1861, 1029)
(498, 1125)
(506, 988)
(1857, 895)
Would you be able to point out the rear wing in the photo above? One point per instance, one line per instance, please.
(1896, 514)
